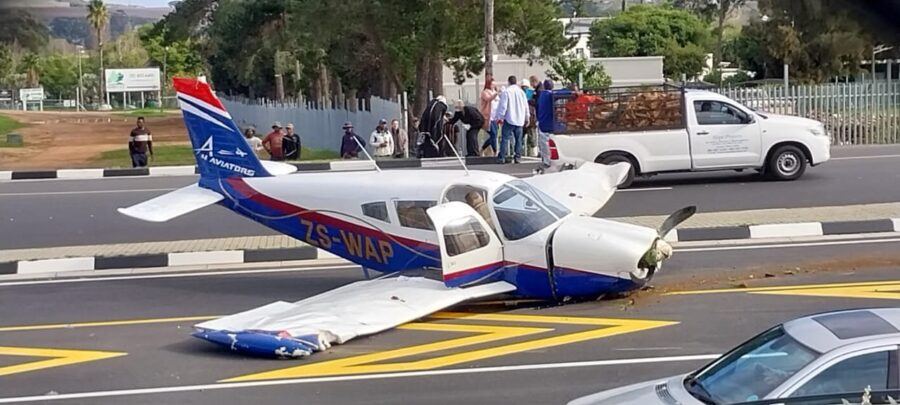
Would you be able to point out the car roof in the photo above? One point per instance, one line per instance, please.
(831, 330)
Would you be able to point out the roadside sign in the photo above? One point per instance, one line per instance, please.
(34, 94)
(6, 95)
(127, 80)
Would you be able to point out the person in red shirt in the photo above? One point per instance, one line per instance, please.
(272, 142)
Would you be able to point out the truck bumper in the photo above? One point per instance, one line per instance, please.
(820, 150)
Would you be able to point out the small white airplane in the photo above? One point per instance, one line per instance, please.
(483, 233)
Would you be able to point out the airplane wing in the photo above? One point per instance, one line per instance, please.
(290, 330)
(583, 190)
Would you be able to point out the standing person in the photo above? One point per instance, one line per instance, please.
(488, 106)
(432, 124)
(414, 138)
(140, 142)
(252, 140)
(350, 142)
(546, 118)
(291, 143)
(272, 143)
(512, 113)
(382, 141)
(472, 117)
(401, 139)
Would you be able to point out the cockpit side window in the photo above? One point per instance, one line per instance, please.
(377, 210)
(473, 196)
(412, 214)
(519, 216)
(464, 235)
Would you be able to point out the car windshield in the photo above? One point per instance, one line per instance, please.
(752, 370)
(520, 210)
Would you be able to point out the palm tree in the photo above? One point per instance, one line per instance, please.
(31, 63)
(98, 17)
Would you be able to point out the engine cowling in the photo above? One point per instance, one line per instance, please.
(607, 249)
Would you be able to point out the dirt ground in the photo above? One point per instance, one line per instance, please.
(57, 140)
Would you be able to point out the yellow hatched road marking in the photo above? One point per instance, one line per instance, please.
(362, 364)
(868, 290)
(103, 323)
(58, 357)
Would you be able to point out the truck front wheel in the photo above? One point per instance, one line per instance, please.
(786, 163)
(614, 158)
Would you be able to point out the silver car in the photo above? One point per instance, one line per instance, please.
(831, 354)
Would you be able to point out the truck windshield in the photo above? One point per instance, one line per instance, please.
(523, 210)
(751, 371)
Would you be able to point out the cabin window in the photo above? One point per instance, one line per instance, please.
(718, 113)
(464, 235)
(412, 214)
(377, 210)
(519, 216)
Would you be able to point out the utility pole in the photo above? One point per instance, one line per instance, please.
(489, 38)
(165, 80)
(79, 95)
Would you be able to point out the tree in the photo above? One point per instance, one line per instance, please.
(59, 75)
(654, 31)
(127, 51)
(567, 70)
(98, 17)
(31, 66)
(719, 11)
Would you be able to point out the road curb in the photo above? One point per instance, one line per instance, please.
(338, 165)
(98, 265)
(786, 230)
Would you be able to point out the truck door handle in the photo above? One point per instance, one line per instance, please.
(703, 133)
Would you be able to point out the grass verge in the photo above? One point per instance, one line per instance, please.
(180, 155)
(8, 125)
(148, 113)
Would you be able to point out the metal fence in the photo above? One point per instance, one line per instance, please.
(854, 113)
(319, 128)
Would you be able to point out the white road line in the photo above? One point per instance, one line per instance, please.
(178, 275)
(644, 189)
(381, 376)
(788, 245)
(866, 157)
(140, 190)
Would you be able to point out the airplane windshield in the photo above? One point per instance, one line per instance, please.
(521, 210)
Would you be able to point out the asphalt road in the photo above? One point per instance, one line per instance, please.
(83, 212)
(171, 367)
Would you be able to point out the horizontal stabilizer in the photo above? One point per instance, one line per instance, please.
(283, 329)
(278, 168)
(173, 204)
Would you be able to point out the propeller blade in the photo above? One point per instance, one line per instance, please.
(676, 219)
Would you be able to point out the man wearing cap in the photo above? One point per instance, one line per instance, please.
(273, 142)
(382, 141)
(472, 117)
(291, 143)
(350, 142)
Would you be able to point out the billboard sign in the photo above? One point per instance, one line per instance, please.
(6, 95)
(35, 94)
(123, 80)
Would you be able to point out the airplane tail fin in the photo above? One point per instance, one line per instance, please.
(219, 146)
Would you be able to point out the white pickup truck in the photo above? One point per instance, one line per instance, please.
(687, 130)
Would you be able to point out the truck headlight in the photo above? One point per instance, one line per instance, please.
(818, 131)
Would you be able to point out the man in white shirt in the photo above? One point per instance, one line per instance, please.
(381, 140)
(512, 113)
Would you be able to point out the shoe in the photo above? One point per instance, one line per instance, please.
(516, 161)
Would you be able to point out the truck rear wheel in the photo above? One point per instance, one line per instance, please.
(614, 158)
(786, 163)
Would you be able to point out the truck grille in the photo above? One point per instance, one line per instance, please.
(662, 391)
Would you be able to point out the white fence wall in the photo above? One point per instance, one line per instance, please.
(854, 113)
(319, 128)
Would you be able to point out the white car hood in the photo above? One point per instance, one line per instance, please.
(777, 119)
(668, 391)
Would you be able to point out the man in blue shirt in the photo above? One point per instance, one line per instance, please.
(545, 117)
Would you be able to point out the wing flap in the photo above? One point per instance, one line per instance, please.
(334, 317)
(584, 190)
(173, 204)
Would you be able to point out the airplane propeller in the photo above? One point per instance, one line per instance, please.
(660, 249)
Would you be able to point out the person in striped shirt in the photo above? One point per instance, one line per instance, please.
(140, 144)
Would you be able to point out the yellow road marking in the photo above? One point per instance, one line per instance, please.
(870, 290)
(58, 357)
(103, 323)
(489, 333)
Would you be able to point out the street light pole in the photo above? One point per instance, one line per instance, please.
(80, 93)
(165, 76)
